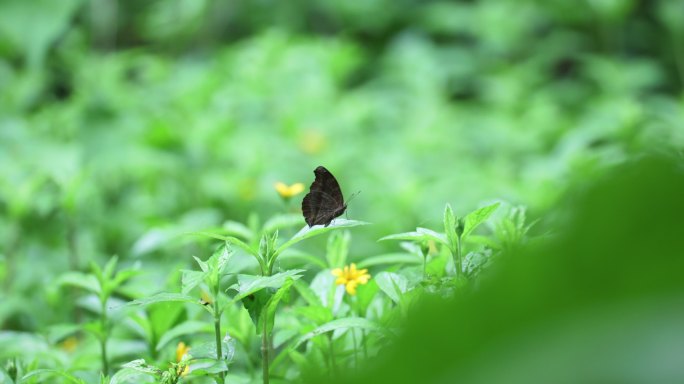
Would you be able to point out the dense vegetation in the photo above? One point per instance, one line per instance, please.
(142, 237)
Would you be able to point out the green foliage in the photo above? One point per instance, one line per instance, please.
(126, 126)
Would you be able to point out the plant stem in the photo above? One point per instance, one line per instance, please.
(331, 351)
(459, 260)
(356, 349)
(105, 336)
(217, 331)
(264, 351)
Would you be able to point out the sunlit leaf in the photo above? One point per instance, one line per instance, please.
(308, 232)
(477, 217)
(344, 323)
(248, 284)
(186, 328)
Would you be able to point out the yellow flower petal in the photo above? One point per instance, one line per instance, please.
(296, 188)
(337, 272)
(181, 350)
(351, 287)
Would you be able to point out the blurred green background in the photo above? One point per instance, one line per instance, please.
(124, 123)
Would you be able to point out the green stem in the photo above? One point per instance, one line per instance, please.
(459, 259)
(217, 332)
(331, 351)
(105, 336)
(356, 349)
(264, 351)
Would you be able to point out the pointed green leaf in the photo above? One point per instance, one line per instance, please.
(282, 221)
(477, 217)
(392, 284)
(268, 314)
(182, 329)
(450, 228)
(45, 373)
(308, 232)
(390, 258)
(163, 297)
(344, 323)
(191, 279)
(80, 280)
(338, 249)
(202, 264)
(248, 284)
(234, 228)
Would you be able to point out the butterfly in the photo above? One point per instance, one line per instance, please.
(324, 202)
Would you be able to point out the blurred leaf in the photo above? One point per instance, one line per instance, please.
(338, 249)
(279, 222)
(248, 284)
(392, 284)
(81, 280)
(390, 258)
(191, 279)
(450, 228)
(163, 297)
(308, 232)
(344, 323)
(268, 313)
(53, 372)
(186, 328)
(477, 217)
(237, 242)
(235, 228)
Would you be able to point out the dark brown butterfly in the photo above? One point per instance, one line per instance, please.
(324, 202)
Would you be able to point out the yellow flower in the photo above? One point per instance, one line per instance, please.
(312, 141)
(351, 277)
(69, 344)
(181, 351)
(287, 191)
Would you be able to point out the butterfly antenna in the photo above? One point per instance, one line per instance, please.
(353, 196)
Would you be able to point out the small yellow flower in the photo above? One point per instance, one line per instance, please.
(287, 191)
(181, 351)
(69, 344)
(351, 277)
(312, 141)
(206, 299)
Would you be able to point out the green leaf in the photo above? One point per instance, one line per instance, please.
(392, 284)
(308, 232)
(182, 329)
(163, 297)
(418, 236)
(202, 264)
(477, 217)
(307, 293)
(390, 258)
(235, 228)
(433, 235)
(450, 228)
(301, 258)
(236, 242)
(278, 222)
(141, 366)
(248, 284)
(268, 314)
(338, 249)
(109, 268)
(51, 373)
(191, 279)
(344, 323)
(81, 280)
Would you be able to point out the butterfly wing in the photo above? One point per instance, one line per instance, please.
(324, 201)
